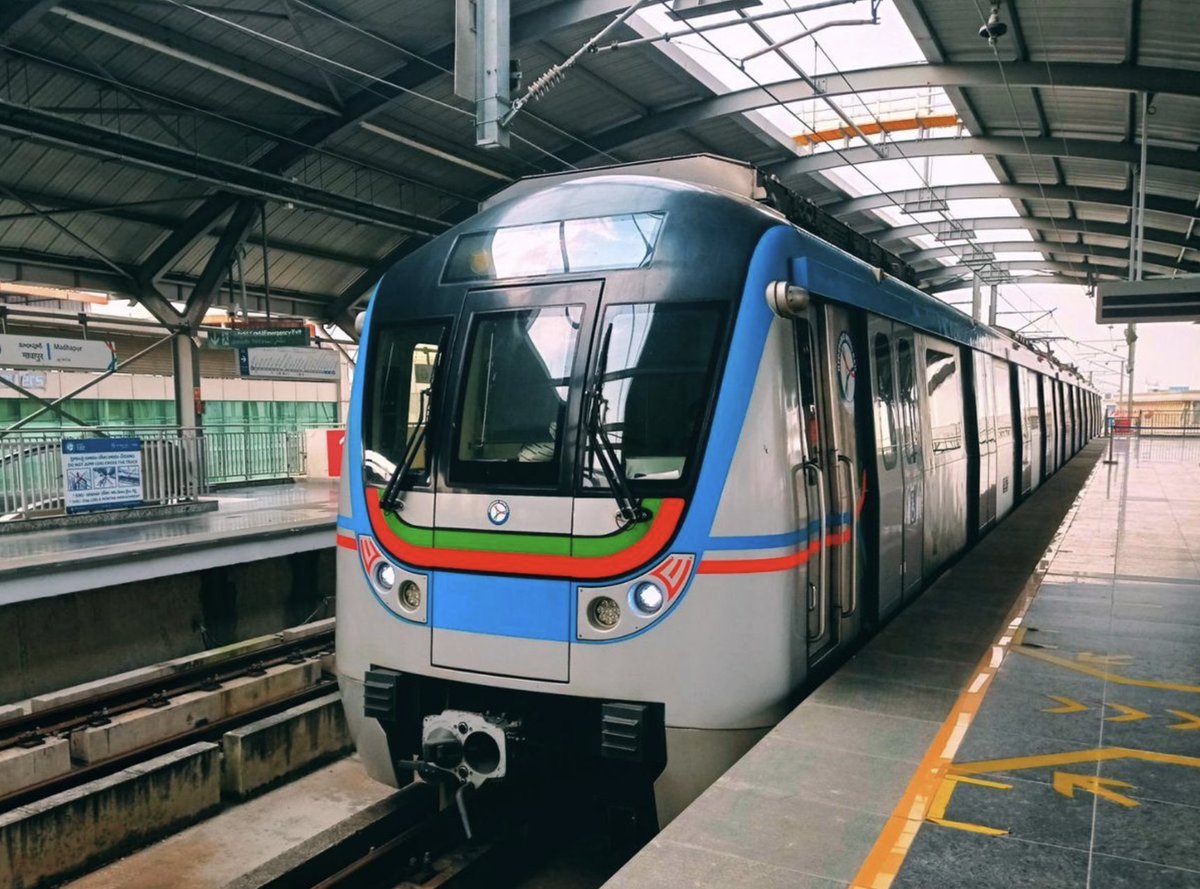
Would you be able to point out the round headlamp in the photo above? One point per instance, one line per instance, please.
(385, 575)
(648, 597)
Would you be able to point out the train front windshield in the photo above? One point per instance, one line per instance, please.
(536, 400)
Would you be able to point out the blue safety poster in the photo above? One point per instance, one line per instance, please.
(102, 473)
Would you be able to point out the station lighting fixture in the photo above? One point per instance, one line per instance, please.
(994, 28)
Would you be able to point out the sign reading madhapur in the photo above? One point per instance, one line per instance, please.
(102, 473)
(289, 364)
(18, 350)
(259, 333)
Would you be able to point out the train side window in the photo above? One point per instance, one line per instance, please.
(1003, 405)
(808, 387)
(945, 401)
(909, 400)
(885, 408)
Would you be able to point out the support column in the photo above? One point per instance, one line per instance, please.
(995, 298)
(976, 299)
(185, 361)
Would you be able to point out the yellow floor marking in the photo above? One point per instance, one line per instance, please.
(1131, 714)
(937, 809)
(1073, 757)
(891, 847)
(1111, 660)
(1066, 783)
(1069, 705)
(1039, 655)
(1191, 722)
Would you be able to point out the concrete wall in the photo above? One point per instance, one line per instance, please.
(58, 641)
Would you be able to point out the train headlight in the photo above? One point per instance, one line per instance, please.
(385, 575)
(410, 595)
(604, 613)
(648, 597)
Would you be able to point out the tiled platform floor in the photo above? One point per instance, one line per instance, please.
(847, 789)
(1100, 699)
(250, 523)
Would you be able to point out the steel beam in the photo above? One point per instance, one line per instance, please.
(1048, 247)
(1100, 196)
(416, 72)
(1172, 240)
(965, 282)
(1081, 270)
(1084, 75)
(1090, 149)
(206, 288)
(100, 142)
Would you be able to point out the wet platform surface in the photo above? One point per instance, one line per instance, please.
(251, 523)
(1033, 719)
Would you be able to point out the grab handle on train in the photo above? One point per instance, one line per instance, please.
(853, 542)
(813, 478)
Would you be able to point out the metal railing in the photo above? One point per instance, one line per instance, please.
(1183, 423)
(178, 464)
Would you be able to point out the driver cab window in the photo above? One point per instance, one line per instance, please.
(516, 384)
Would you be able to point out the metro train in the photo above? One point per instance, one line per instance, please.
(631, 458)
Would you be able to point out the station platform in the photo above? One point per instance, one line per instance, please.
(249, 524)
(1033, 719)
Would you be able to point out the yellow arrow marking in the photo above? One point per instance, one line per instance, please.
(1131, 715)
(1115, 678)
(1074, 757)
(1067, 783)
(1190, 723)
(941, 799)
(1110, 660)
(1069, 705)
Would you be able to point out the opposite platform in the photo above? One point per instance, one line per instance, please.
(251, 523)
(959, 749)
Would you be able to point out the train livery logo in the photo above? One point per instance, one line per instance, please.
(847, 367)
(498, 512)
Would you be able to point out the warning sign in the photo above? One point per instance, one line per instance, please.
(102, 473)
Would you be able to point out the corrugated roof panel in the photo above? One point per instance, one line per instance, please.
(1093, 114)
(1076, 31)
(1095, 174)
(1168, 35)
(995, 108)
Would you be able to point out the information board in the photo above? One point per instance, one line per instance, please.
(289, 364)
(18, 350)
(102, 473)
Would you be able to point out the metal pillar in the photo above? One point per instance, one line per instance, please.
(992, 303)
(492, 75)
(1137, 248)
(185, 360)
(976, 299)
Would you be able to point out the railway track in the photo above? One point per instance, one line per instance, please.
(33, 729)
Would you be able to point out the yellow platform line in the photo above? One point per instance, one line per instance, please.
(1073, 757)
(1116, 678)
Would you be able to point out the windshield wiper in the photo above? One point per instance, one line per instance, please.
(390, 499)
(629, 507)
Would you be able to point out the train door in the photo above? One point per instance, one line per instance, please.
(985, 412)
(843, 468)
(1033, 420)
(812, 482)
(1046, 414)
(912, 460)
(828, 480)
(1002, 407)
(889, 473)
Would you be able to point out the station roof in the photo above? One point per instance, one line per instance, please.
(143, 140)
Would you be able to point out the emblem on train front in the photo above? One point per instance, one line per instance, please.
(497, 512)
(847, 367)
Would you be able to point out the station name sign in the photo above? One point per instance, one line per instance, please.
(259, 334)
(17, 350)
